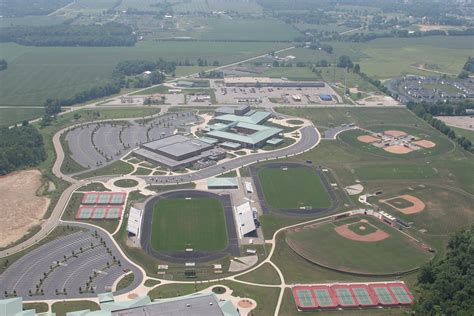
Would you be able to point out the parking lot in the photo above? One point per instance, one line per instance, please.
(94, 144)
(292, 96)
(61, 267)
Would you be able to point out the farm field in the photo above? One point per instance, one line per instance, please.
(264, 29)
(241, 6)
(37, 73)
(198, 223)
(293, 188)
(393, 253)
(387, 58)
(10, 116)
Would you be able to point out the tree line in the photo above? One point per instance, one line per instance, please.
(446, 286)
(110, 34)
(3, 64)
(427, 111)
(20, 147)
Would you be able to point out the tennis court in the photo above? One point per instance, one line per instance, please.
(99, 212)
(104, 198)
(353, 295)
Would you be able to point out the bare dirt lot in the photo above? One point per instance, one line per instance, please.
(465, 122)
(21, 209)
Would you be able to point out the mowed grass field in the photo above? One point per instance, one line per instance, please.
(445, 210)
(37, 73)
(198, 223)
(443, 145)
(391, 57)
(293, 188)
(322, 244)
(10, 116)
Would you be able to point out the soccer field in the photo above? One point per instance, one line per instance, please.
(197, 223)
(293, 187)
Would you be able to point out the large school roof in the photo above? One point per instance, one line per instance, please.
(255, 118)
(261, 134)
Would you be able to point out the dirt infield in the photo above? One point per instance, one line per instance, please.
(20, 207)
(425, 143)
(398, 149)
(395, 133)
(345, 232)
(417, 204)
(367, 139)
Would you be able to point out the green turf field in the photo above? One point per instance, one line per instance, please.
(198, 223)
(36, 73)
(394, 172)
(323, 245)
(293, 188)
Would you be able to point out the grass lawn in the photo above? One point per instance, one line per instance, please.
(126, 183)
(293, 188)
(61, 308)
(94, 186)
(469, 134)
(391, 255)
(125, 281)
(38, 307)
(116, 168)
(362, 228)
(142, 171)
(198, 223)
(10, 116)
(394, 172)
(266, 274)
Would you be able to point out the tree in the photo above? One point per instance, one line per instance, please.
(345, 62)
(356, 68)
(463, 74)
(446, 286)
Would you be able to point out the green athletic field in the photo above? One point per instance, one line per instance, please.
(324, 245)
(293, 188)
(198, 223)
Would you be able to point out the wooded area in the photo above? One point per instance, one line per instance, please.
(20, 147)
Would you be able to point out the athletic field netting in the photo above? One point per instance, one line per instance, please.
(104, 198)
(353, 295)
(99, 212)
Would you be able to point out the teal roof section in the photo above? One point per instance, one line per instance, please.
(228, 309)
(231, 145)
(262, 133)
(105, 297)
(256, 118)
(30, 312)
(222, 182)
(275, 141)
(209, 140)
(11, 306)
(112, 306)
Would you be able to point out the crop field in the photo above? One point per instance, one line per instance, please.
(37, 73)
(387, 58)
(241, 6)
(268, 30)
(324, 245)
(293, 188)
(179, 224)
(10, 116)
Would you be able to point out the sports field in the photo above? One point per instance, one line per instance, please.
(393, 253)
(196, 223)
(292, 188)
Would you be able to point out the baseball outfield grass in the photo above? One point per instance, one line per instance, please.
(198, 223)
(290, 188)
(323, 245)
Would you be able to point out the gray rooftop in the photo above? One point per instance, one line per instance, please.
(200, 305)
